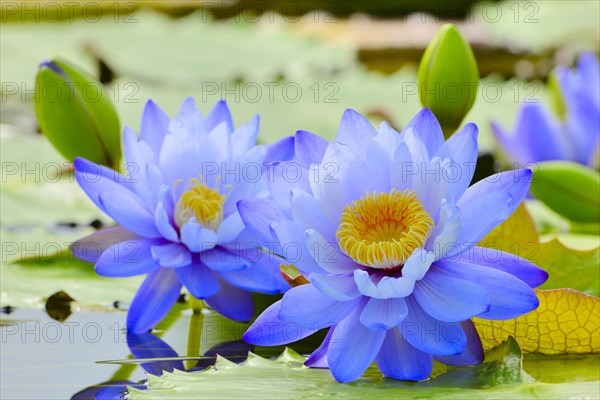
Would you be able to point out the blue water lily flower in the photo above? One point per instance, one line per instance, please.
(540, 136)
(385, 227)
(177, 213)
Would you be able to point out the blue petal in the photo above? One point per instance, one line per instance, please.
(269, 330)
(512, 145)
(262, 276)
(309, 148)
(281, 150)
(221, 260)
(327, 254)
(292, 243)
(510, 263)
(258, 214)
(489, 202)
(198, 280)
(218, 115)
(306, 306)
(318, 358)
(146, 345)
(354, 348)
(450, 299)
(473, 353)
(431, 335)
(336, 287)
(399, 360)
(231, 227)
(153, 300)
(233, 303)
(355, 131)
(427, 127)
(130, 212)
(154, 126)
(388, 287)
(171, 255)
(379, 158)
(128, 258)
(139, 156)
(310, 212)
(161, 219)
(198, 238)
(462, 150)
(540, 133)
(381, 315)
(509, 297)
(94, 179)
(90, 248)
(589, 69)
(244, 137)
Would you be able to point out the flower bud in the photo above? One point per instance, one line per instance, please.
(75, 113)
(448, 78)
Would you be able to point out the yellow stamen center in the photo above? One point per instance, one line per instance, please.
(202, 203)
(381, 230)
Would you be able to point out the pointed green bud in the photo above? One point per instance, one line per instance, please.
(75, 112)
(448, 78)
(570, 189)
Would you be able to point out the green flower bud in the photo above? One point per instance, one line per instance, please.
(570, 189)
(448, 78)
(76, 114)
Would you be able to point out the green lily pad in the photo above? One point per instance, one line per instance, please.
(500, 377)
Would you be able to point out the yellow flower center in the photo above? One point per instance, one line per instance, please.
(381, 230)
(202, 203)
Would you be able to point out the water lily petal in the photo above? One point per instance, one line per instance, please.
(307, 307)
(355, 131)
(450, 299)
(154, 126)
(234, 303)
(281, 150)
(488, 203)
(127, 258)
(258, 215)
(163, 224)
(269, 330)
(399, 360)
(129, 211)
(430, 335)
(336, 287)
(353, 349)
(153, 300)
(220, 114)
(91, 247)
(385, 314)
(318, 358)
(428, 129)
(262, 276)
(198, 238)
(220, 260)
(473, 352)
(309, 148)
(509, 297)
(199, 280)
(519, 267)
(327, 254)
(171, 255)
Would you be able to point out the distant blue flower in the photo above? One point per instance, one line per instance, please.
(177, 213)
(539, 136)
(385, 226)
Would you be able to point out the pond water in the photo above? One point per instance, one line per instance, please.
(43, 358)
